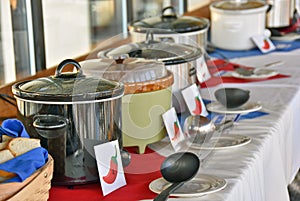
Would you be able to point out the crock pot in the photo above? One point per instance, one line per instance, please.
(180, 59)
(148, 94)
(71, 113)
(280, 14)
(233, 23)
(180, 29)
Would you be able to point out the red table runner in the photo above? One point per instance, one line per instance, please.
(222, 65)
(143, 169)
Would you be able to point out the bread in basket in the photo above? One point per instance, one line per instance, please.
(36, 186)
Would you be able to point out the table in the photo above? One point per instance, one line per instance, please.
(258, 171)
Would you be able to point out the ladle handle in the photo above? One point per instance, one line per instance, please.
(165, 193)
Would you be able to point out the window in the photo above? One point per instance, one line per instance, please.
(35, 35)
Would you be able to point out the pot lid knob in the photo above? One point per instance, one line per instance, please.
(172, 15)
(119, 59)
(59, 74)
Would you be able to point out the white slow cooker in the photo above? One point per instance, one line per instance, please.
(233, 23)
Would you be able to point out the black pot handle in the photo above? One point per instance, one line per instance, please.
(58, 71)
(49, 122)
(270, 7)
(173, 14)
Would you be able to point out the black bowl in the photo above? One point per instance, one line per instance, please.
(232, 97)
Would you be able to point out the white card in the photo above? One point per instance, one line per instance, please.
(202, 70)
(194, 101)
(263, 43)
(110, 166)
(173, 127)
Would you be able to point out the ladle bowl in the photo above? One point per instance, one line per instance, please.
(201, 128)
(177, 169)
(232, 97)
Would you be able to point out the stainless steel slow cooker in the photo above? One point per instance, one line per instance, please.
(169, 26)
(180, 59)
(148, 94)
(71, 113)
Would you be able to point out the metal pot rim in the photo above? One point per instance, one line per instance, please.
(152, 45)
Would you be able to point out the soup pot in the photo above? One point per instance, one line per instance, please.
(169, 26)
(71, 113)
(180, 59)
(148, 94)
(233, 23)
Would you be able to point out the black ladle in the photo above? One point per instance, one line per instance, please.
(177, 169)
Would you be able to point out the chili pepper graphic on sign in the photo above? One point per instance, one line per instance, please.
(266, 45)
(198, 108)
(176, 131)
(111, 176)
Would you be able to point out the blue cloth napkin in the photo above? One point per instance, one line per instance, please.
(13, 128)
(227, 54)
(26, 164)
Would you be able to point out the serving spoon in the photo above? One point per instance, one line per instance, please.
(177, 169)
(257, 70)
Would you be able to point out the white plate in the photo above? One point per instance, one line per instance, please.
(244, 109)
(201, 185)
(227, 141)
(259, 74)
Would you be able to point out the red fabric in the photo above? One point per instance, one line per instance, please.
(143, 169)
(221, 65)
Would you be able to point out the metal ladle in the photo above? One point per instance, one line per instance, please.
(177, 169)
(202, 128)
(258, 70)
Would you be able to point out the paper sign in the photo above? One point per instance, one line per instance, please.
(194, 101)
(263, 43)
(173, 127)
(202, 70)
(110, 166)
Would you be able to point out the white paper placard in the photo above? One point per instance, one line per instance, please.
(173, 127)
(263, 43)
(194, 101)
(202, 70)
(110, 166)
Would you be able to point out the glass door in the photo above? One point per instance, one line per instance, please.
(21, 49)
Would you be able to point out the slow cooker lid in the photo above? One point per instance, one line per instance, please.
(238, 5)
(171, 22)
(125, 70)
(167, 52)
(68, 87)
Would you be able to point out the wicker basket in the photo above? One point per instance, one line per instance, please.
(34, 188)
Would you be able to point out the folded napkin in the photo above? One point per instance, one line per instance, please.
(219, 65)
(13, 128)
(26, 164)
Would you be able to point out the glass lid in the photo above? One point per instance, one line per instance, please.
(124, 69)
(167, 52)
(170, 22)
(68, 87)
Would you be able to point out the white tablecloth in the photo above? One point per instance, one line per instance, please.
(262, 169)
